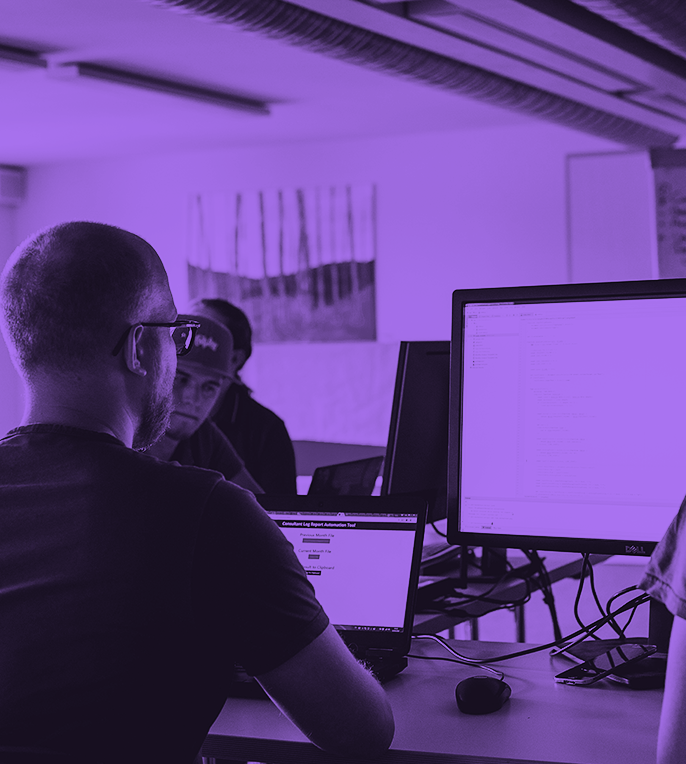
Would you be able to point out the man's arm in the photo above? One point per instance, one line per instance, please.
(671, 740)
(332, 699)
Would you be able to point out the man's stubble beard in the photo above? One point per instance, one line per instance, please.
(154, 421)
(158, 406)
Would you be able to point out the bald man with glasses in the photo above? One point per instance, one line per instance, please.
(130, 586)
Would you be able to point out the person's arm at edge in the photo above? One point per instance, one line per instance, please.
(671, 740)
(332, 699)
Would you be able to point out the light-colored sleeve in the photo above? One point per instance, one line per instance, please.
(665, 575)
(671, 745)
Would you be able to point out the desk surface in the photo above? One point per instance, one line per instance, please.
(544, 721)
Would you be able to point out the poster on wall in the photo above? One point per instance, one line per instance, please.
(669, 169)
(300, 262)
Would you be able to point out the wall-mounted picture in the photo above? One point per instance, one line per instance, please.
(300, 262)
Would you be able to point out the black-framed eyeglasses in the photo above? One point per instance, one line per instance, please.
(182, 331)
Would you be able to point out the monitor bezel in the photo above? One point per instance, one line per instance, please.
(531, 294)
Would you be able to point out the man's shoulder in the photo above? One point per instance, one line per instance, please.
(260, 412)
(208, 432)
(212, 449)
(201, 480)
(81, 456)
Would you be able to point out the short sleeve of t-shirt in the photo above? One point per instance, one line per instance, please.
(253, 590)
(665, 576)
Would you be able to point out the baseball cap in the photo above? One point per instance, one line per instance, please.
(212, 348)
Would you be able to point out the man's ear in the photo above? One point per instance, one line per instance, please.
(238, 357)
(132, 352)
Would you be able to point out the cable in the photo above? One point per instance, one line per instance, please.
(579, 590)
(628, 589)
(546, 589)
(466, 599)
(444, 644)
(601, 609)
(589, 630)
(582, 578)
(633, 612)
(511, 571)
(440, 533)
(587, 568)
(563, 644)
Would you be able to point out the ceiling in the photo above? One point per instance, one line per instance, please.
(623, 72)
(43, 119)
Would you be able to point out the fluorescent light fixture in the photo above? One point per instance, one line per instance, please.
(19, 58)
(159, 85)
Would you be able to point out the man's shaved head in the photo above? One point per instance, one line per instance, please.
(69, 291)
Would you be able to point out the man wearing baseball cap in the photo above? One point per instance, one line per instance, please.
(192, 438)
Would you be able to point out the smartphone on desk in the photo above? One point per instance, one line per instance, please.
(606, 663)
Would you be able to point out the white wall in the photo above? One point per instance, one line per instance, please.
(612, 223)
(11, 405)
(462, 209)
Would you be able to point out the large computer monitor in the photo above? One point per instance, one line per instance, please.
(417, 451)
(568, 416)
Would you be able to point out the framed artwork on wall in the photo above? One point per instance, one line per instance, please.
(300, 262)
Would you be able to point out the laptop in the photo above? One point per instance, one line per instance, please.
(347, 478)
(362, 555)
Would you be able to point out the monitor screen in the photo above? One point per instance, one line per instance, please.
(417, 451)
(567, 416)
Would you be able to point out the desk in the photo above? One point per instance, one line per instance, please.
(543, 722)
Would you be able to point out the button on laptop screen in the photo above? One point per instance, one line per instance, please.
(359, 564)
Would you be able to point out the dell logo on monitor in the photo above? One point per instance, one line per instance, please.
(633, 549)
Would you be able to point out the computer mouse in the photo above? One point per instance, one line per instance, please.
(481, 694)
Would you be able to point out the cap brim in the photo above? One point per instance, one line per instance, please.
(183, 361)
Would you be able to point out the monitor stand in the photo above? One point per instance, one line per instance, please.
(491, 568)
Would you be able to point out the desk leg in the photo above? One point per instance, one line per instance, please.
(474, 629)
(520, 626)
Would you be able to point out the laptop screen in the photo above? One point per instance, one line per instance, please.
(360, 553)
(347, 479)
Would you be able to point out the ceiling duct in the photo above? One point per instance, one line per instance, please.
(12, 57)
(340, 39)
(660, 21)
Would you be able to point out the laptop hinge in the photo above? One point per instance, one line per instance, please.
(379, 652)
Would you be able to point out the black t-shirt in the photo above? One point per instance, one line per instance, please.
(261, 439)
(209, 448)
(129, 587)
